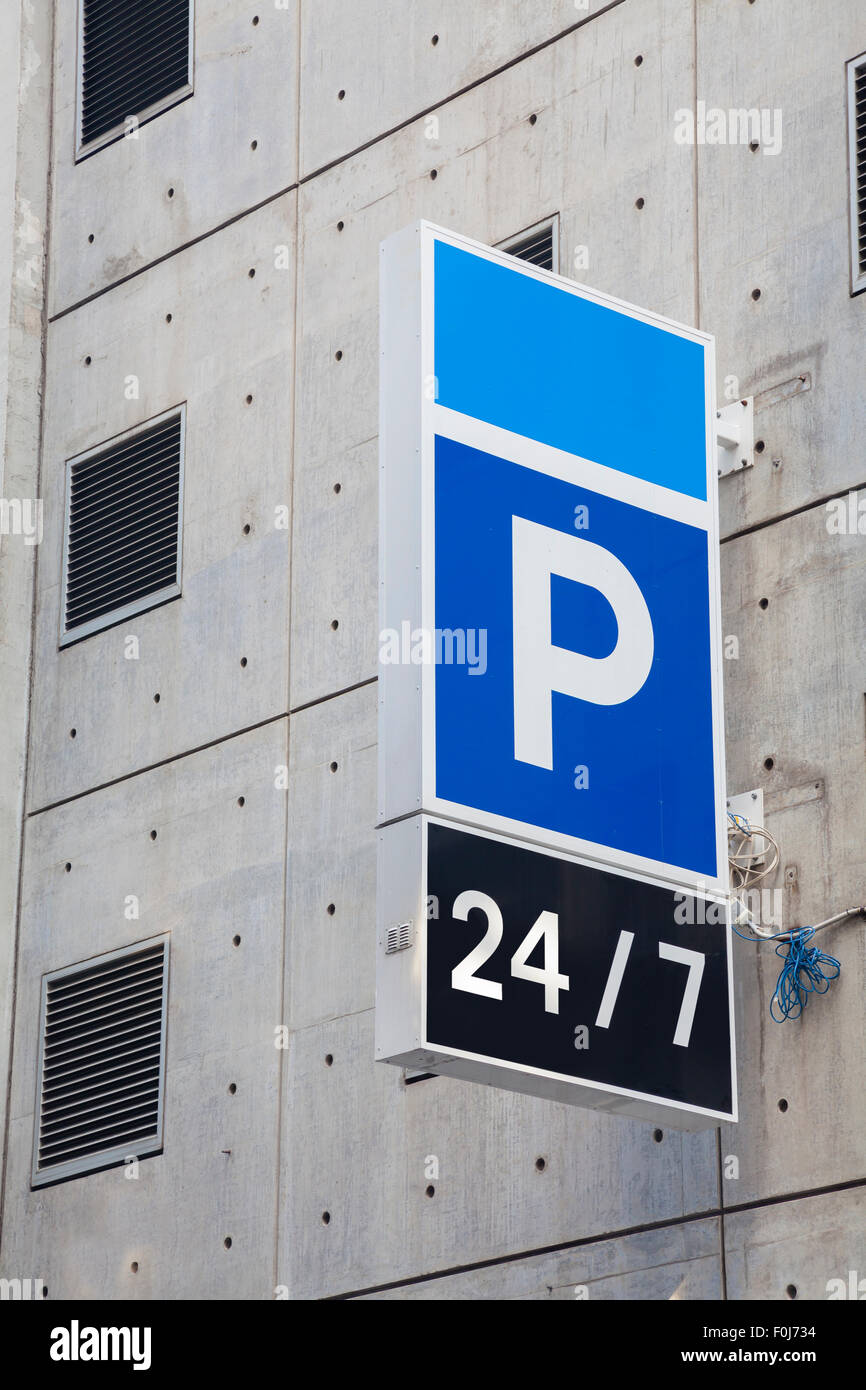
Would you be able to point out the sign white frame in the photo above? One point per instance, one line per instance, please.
(410, 418)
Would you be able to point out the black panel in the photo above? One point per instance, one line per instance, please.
(636, 1052)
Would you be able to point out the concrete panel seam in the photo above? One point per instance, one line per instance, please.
(599, 1238)
(163, 762)
(795, 511)
(333, 695)
(514, 1258)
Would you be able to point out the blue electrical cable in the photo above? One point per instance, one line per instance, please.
(802, 974)
(805, 971)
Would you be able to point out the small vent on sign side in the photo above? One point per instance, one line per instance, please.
(400, 938)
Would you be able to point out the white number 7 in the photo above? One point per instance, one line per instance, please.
(695, 961)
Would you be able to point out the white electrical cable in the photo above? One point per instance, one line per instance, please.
(746, 843)
(742, 852)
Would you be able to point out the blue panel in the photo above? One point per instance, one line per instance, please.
(532, 358)
(650, 759)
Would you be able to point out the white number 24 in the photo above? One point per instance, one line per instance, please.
(546, 928)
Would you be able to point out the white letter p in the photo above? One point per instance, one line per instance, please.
(538, 553)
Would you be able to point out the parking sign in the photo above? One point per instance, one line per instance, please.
(550, 667)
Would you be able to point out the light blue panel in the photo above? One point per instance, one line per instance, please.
(530, 357)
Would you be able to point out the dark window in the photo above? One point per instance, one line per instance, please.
(537, 245)
(102, 1062)
(857, 160)
(123, 527)
(135, 56)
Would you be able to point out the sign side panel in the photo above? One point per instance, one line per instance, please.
(400, 421)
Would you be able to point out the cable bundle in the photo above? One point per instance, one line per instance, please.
(806, 971)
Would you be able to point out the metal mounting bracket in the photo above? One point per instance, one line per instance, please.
(750, 806)
(735, 436)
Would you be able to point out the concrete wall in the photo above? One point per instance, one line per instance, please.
(318, 1128)
(25, 104)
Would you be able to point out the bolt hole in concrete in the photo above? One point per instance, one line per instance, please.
(769, 764)
(335, 624)
(228, 1242)
(326, 1217)
(658, 1135)
(91, 238)
(254, 144)
(783, 1105)
(340, 226)
(329, 1059)
(249, 400)
(156, 698)
(540, 1165)
(331, 909)
(640, 204)
(252, 272)
(334, 766)
(134, 1266)
(236, 941)
(338, 487)
(153, 834)
(72, 733)
(242, 800)
(760, 446)
(233, 1088)
(247, 529)
(434, 173)
(68, 868)
(754, 146)
(255, 19)
(430, 1191)
(243, 661)
(435, 40)
(87, 361)
(338, 355)
(341, 94)
(791, 1291)
(763, 603)
(756, 294)
(533, 118)
(168, 318)
(638, 60)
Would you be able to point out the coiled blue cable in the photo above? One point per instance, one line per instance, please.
(805, 971)
(802, 974)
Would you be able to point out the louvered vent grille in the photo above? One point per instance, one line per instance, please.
(859, 119)
(122, 528)
(103, 1040)
(399, 938)
(537, 248)
(135, 53)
